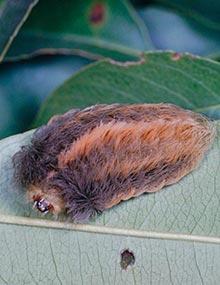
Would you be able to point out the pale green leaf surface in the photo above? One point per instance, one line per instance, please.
(191, 82)
(174, 234)
(12, 16)
(35, 255)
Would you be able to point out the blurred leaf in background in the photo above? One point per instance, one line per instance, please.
(12, 16)
(95, 29)
(206, 12)
(25, 84)
(108, 27)
(170, 29)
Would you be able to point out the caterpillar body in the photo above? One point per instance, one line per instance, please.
(86, 161)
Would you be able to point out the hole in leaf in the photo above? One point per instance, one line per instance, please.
(127, 259)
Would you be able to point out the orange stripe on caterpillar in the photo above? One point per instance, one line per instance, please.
(156, 154)
(86, 161)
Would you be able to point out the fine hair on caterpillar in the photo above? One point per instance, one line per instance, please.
(86, 161)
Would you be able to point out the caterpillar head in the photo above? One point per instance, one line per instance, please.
(48, 201)
(43, 205)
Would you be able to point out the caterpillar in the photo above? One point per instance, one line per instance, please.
(89, 160)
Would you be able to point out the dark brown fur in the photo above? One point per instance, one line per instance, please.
(92, 159)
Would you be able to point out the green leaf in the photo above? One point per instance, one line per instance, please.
(12, 16)
(25, 84)
(188, 81)
(173, 234)
(107, 28)
(170, 29)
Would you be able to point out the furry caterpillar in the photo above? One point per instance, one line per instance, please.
(86, 161)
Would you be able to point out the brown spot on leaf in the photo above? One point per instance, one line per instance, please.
(176, 56)
(97, 14)
(127, 259)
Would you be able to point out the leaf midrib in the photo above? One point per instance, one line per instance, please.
(40, 223)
